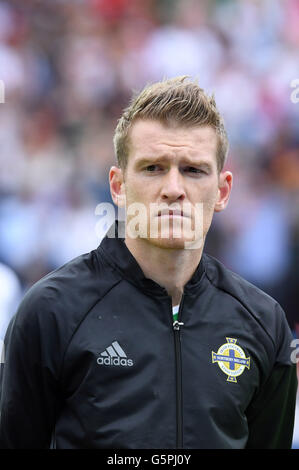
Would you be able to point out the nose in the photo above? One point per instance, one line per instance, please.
(173, 189)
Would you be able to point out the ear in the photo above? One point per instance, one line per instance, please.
(117, 186)
(225, 182)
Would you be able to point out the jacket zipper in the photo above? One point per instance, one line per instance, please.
(178, 360)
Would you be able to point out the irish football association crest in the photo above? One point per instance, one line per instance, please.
(231, 359)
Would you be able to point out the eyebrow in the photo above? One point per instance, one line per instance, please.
(143, 161)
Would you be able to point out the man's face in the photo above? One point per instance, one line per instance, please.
(171, 178)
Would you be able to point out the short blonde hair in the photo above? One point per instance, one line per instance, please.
(177, 101)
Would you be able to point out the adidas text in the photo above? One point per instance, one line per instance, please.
(114, 361)
(114, 355)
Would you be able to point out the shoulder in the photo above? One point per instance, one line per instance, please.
(52, 309)
(234, 284)
(65, 295)
(261, 306)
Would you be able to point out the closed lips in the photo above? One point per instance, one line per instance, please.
(172, 213)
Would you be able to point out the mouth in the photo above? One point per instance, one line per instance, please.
(171, 213)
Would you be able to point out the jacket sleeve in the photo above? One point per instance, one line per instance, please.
(271, 414)
(29, 392)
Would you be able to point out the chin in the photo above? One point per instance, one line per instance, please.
(173, 243)
(167, 244)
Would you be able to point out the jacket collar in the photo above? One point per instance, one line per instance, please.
(117, 254)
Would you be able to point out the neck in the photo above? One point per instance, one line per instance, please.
(170, 268)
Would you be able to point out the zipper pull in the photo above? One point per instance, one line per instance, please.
(177, 324)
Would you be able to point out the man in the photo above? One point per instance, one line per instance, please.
(146, 342)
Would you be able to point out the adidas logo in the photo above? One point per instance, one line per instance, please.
(114, 355)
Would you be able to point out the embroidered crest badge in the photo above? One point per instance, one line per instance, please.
(231, 359)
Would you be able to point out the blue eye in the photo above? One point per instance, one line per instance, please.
(151, 168)
(191, 169)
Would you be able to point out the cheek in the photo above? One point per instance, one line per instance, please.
(208, 196)
(137, 194)
(209, 200)
(131, 190)
(138, 190)
(209, 204)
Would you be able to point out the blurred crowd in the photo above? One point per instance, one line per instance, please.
(69, 68)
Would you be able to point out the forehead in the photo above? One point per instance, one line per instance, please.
(147, 136)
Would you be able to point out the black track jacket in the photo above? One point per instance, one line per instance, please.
(93, 360)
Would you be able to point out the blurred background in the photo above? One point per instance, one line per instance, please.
(69, 68)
